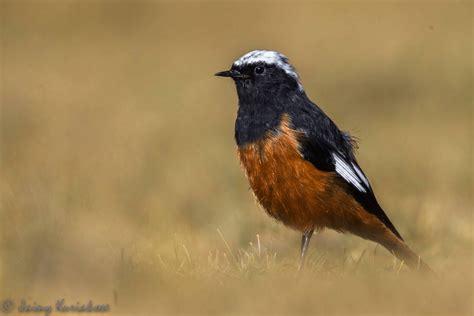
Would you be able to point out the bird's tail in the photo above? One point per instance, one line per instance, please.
(404, 253)
(385, 237)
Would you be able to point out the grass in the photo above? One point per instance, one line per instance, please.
(255, 280)
(119, 178)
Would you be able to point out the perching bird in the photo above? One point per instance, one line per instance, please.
(300, 165)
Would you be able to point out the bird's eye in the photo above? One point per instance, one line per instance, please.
(259, 70)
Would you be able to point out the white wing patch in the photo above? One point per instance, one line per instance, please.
(361, 175)
(351, 173)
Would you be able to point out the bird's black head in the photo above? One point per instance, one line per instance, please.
(260, 74)
(268, 86)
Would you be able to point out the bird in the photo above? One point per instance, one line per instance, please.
(300, 166)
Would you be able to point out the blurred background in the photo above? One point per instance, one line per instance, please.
(119, 176)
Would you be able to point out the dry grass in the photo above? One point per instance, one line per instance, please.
(119, 175)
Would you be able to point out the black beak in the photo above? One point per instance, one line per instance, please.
(232, 73)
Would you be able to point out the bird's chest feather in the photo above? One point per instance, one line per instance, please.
(285, 184)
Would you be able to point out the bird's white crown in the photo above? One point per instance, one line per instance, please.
(268, 57)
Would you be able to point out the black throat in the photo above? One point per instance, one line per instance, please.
(254, 122)
(260, 112)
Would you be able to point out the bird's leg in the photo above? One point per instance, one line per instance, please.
(304, 246)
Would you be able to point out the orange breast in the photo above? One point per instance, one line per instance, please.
(291, 189)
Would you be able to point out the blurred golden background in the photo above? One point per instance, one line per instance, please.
(119, 176)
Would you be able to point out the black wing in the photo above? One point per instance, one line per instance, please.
(329, 149)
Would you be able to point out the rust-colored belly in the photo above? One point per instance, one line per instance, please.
(287, 186)
(290, 188)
